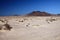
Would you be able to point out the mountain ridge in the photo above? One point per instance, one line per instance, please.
(39, 13)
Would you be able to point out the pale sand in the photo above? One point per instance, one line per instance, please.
(32, 28)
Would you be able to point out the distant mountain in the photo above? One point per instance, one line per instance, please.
(38, 13)
(16, 15)
(58, 14)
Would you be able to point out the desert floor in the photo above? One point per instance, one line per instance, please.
(31, 28)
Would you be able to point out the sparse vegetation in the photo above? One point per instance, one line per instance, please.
(36, 25)
(1, 20)
(51, 20)
(0, 28)
(5, 26)
(21, 21)
(27, 24)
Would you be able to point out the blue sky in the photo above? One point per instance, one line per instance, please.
(22, 7)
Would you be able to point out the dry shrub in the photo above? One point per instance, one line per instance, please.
(1, 20)
(51, 19)
(7, 27)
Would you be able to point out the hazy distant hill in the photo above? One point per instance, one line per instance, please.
(58, 14)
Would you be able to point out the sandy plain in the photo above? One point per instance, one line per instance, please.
(31, 28)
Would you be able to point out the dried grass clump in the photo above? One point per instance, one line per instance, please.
(27, 24)
(51, 19)
(2, 20)
(5, 26)
(21, 21)
(0, 28)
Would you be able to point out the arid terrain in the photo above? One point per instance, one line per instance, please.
(30, 28)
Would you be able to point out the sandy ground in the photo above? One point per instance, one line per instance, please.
(31, 28)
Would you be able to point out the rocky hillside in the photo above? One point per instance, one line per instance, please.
(38, 13)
